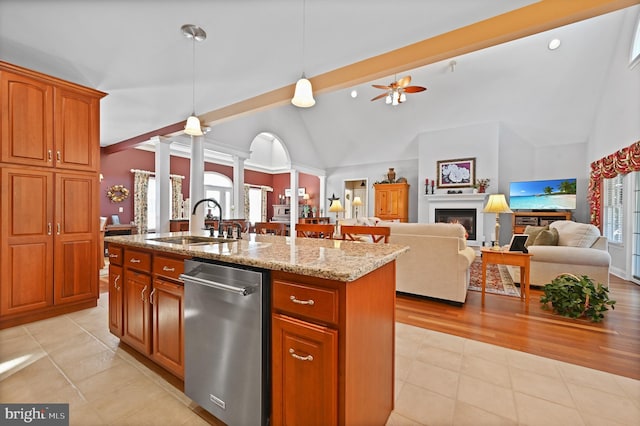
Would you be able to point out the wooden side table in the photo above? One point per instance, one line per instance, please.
(505, 257)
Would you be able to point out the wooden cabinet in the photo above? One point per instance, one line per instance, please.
(149, 305)
(392, 201)
(520, 220)
(327, 339)
(307, 356)
(49, 155)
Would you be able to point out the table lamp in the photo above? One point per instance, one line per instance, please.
(336, 207)
(357, 202)
(497, 204)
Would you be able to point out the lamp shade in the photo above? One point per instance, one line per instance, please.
(497, 204)
(193, 126)
(303, 96)
(336, 207)
(357, 201)
(306, 196)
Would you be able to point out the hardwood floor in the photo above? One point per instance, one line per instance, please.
(612, 345)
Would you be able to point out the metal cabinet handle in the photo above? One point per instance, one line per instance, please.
(134, 260)
(167, 269)
(49, 228)
(151, 296)
(115, 282)
(58, 228)
(309, 302)
(49, 155)
(112, 255)
(142, 293)
(299, 357)
(58, 156)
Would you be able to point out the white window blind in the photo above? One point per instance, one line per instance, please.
(613, 209)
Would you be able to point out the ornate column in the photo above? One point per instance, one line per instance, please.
(163, 183)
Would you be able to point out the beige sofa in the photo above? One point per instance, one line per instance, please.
(580, 250)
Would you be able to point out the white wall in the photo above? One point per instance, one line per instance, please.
(617, 122)
(480, 141)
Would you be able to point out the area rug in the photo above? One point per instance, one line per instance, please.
(498, 279)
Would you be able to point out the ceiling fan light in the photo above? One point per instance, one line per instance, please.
(387, 100)
(193, 126)
(403, 97)
(303, 96)
(395, 97)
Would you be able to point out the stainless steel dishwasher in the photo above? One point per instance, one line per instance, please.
(226, 328)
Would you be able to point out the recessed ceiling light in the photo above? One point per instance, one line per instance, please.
(554, 44)
(354, 93)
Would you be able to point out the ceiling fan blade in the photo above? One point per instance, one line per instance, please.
(379, 97)
(404, 81)
(379, 86)
(414, 89)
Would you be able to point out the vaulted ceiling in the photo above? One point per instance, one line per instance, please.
(134, 51)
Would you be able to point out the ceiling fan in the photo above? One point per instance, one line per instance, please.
(396, 91)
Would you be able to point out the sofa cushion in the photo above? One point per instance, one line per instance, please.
(547, 237)
(574, 234)
(532, 232)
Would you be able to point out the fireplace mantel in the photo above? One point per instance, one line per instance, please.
(459, 201)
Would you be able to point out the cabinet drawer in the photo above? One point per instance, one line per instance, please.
(168, 267)
(308, 301)
(115, 255)
(137, 260)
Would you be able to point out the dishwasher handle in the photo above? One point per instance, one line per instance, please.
(243, 291)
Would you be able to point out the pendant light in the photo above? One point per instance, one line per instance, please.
(194, 33)
(303, 96)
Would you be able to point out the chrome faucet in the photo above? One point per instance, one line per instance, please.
(212, 200)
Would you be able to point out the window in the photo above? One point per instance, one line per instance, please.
(255, 205)
(219, 187)
(613, 209)
(635, 47)
(151, 203)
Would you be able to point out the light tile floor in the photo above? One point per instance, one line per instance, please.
(440, 380)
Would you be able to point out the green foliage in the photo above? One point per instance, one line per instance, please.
(574, 297)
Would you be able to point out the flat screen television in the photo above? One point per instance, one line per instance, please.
(551, 194)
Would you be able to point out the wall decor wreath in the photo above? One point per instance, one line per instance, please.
(117, 193)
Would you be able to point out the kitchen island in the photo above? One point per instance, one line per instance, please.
(334, 299)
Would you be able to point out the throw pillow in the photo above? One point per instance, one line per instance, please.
(547, 237)
(532, 232)
(574, 234)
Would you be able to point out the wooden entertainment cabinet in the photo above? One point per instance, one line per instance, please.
(520, 220)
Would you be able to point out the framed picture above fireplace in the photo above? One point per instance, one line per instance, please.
(458, 173)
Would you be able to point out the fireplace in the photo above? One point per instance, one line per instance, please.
(465, 217)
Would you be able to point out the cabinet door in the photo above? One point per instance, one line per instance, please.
(26, 241)
(393, 202)
(115, 299)
(136, 314)
(168, 325)
(304, 372)
(382, 202)
(76, 232)
(26, 121)
(77, 137)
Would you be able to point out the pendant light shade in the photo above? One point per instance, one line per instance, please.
(303, 96)
(194, 33)
(193, 127)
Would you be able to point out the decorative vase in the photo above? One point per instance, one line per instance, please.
(481, 189)
(391, 175)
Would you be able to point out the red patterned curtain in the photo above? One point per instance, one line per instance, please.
(619, 163)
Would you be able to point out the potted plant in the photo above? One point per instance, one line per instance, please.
(481, 185)
(575, 297)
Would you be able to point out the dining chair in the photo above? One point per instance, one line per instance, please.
(376, 233)
(315, 230)
(275, 228)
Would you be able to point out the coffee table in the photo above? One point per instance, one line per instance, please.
(506, 257)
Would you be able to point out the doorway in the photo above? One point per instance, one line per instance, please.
(356, 198)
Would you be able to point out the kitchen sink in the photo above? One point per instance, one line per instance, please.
(191, 240)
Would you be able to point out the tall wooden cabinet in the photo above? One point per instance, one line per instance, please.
(49, 206)
(392, 201)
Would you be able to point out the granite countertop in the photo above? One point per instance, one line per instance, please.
(332, 259)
